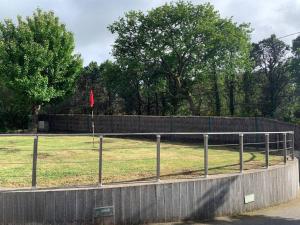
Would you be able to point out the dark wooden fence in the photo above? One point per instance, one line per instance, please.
(139, 124)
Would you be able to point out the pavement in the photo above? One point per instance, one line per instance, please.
(284, 214)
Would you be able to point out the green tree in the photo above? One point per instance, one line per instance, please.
(37, 59)
(104, 79)
(295, 69)
(228, 58)
(273, 65)
(176, 39)
(110, 79)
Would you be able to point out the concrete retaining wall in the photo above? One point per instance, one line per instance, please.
(153, 202)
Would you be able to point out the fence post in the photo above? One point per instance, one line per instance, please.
(267, 150)
(158, 158)
(100, 160)
(205, 155)
(284, 148)
(34, 161)
(293, 145)
(241, 137)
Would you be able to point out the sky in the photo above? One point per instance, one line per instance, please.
(88, 19)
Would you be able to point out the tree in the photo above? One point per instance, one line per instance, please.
(176, 39)
(273, 64)
(37, 59)
(295, 70)
(105, 80)
(295, 63)
(237, 62)
(89, 79)
(228, 58)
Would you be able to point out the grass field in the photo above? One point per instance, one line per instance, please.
(69, 161)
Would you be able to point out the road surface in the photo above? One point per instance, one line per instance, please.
(285, 214)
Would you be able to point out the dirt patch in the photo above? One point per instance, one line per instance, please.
(43, 155)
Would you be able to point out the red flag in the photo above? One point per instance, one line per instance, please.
(92, 98)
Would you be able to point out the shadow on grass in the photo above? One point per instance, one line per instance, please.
(201, 171)
(9, 150)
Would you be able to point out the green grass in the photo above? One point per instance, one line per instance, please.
(68, 161)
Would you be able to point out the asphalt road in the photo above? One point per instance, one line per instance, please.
(285, 214)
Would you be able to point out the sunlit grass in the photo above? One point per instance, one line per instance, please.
(67, 161)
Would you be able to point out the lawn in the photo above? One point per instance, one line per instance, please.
(69, 161)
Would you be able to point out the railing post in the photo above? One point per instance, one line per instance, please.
(205, 155)
(241, 138)
(158, 158)
(284, 148)
(293, 145)
(100, 160)
(267, 150)
(34, 161)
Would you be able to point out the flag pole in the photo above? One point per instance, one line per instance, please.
(93, 127)
(92, 107)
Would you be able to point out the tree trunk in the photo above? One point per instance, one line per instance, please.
(189, 96)
(217, 94)
(248, 107)
(34, 121)
(192, 104)
(231, 98)
(273, 99)
(163, 104)
(156, 105)
(148, 106)
(139, 102)
(110, 105)
(174, 98)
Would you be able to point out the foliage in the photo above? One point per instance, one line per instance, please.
(37, 60)
(177, 59)
(102, 79)
(174, 46)
(273, 65)
(184, 59)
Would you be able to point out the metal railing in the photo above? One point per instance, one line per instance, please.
(287, 145)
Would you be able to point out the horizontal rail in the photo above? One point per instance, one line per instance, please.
(223, 145)
(141, 134)
(38, 167)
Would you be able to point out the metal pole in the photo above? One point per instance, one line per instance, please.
(205, 155)
(158, 158)
(34, 161)
(284, 148)
(293, 145)
(241, 137)
(267, 150)
(100, 160)
(93, 127)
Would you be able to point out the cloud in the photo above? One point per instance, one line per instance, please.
(88, 19)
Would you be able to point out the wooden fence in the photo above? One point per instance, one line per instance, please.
(139, 124)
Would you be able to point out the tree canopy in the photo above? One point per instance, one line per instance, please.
(176, 59)
(175, 46)
(185, 59)
(37, 58)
